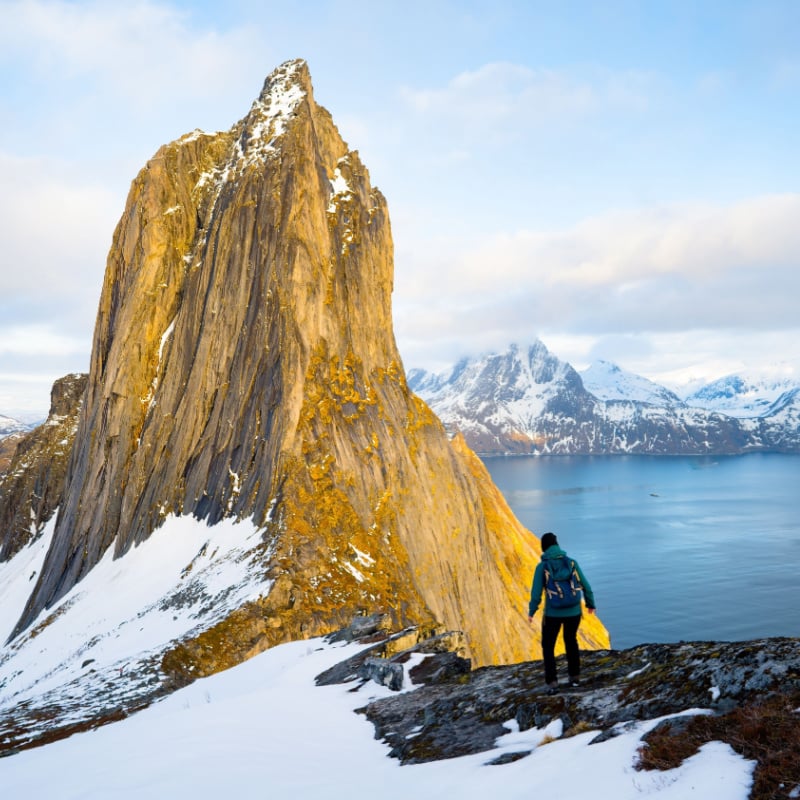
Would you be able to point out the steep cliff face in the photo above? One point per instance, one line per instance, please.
(8, 444)
(244, 365)
(32, 485)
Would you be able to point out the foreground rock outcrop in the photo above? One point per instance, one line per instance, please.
(744, 693)
(465, 713)
(244, 365)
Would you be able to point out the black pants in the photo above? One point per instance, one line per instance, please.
(550, 628)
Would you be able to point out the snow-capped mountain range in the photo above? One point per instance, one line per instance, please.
(745, 395)
(529, 401)
(9, 426)
(607, 381)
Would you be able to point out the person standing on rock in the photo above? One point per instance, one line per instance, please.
(561, 580)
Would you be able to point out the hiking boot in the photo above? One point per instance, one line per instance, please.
(574, 682)
(552, 688)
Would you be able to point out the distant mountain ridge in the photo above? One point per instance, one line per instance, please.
(745, 395)
(11, 431)
(527, 401)
(9, 425)
(607, 381)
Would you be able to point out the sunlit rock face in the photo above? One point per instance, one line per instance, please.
(244, 365)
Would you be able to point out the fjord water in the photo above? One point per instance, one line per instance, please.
(676, 548)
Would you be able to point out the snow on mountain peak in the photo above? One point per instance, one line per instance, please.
(528, 401)
(9, 425)
(745, 395)
(607, 381)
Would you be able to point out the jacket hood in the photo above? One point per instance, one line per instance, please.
(555, 559)
(554, 551)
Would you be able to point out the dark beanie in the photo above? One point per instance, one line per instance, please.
(548, 540)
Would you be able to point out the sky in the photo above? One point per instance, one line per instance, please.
(619, 179)
(262, 728)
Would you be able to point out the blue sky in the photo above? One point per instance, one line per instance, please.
(620, 179)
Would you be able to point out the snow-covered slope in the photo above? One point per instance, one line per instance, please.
(263, 729)
(607, 381)
(98, 650)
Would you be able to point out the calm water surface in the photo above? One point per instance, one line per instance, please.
(676, 548)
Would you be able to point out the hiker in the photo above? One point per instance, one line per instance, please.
(562, 581)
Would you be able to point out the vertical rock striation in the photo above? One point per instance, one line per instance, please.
(244, 365)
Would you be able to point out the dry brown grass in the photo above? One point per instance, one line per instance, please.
(766, 732)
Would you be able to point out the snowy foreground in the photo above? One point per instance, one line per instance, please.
(263, 729)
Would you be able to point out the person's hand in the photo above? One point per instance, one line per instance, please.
(530, 618)
(590, 611)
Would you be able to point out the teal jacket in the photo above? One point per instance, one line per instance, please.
(538, 588)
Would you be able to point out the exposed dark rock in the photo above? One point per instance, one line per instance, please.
(383, 672)
(508, 758)
(32, 487)
(444, 651)
(467, 713)
(8, 444)
(362, 627)
(439, 667)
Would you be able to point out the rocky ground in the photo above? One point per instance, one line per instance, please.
(749, 693)
(458, 711)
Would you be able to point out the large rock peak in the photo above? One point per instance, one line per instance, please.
(244, 365)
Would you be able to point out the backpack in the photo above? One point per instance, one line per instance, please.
(561, 583)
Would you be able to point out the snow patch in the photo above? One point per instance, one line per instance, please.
(359, 576)
(149, 398)
(364, 559)
(267, 121)
(18, 577)
(194, 135)
(607, 381)
(637, 671)
(180, 580)
(340, 188)
(222, 735)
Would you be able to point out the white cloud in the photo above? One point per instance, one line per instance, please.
(55, 227)
(503, 93)
(38, 339)
(145, 52)
(639, 273)
(756, 241)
